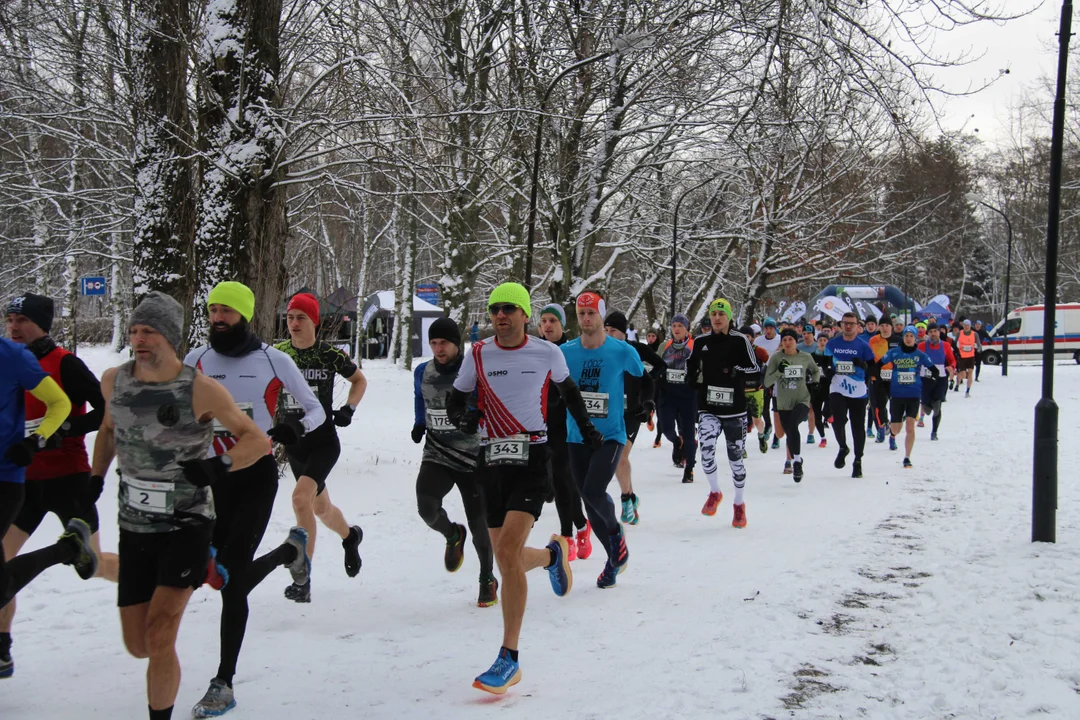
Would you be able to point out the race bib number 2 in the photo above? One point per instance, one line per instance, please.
(149, 496)
(513, 450)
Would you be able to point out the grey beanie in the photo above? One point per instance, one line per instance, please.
(163, 313)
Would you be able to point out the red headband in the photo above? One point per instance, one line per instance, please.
(307, 304)
(592, 300)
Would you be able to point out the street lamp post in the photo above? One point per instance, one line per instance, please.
(976, 198)
(1045, 465)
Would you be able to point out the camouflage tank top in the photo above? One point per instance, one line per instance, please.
(156, 429)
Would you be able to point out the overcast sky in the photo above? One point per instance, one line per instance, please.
(1026, 46)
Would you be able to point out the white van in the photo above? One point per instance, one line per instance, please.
(1024, 327)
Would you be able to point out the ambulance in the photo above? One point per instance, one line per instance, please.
(1024, 326)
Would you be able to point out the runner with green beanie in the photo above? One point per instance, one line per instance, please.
(236, 295)
(513, 294)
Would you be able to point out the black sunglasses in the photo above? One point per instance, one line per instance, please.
(504, 308)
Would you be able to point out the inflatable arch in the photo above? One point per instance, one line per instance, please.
(874, 293)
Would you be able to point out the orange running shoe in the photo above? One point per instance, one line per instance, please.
(712, 503)
(740, 516)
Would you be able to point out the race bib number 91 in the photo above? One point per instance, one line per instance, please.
(513, 450)
(720, 396)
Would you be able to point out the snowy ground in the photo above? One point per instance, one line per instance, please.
(907, 594)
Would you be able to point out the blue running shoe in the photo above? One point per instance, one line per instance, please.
(775, 442)
(628, 511)
(892, 442)
(618, 555)
(607, 577)
(217, 701)
(562, 579)
(933, 436)
(870, 431)
(501, 676)
(907, 463)
(217, 576)
(810, 439)
(881, 434)
(637, 515)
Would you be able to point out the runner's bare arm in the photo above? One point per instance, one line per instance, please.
(105, 444)
(210, 400)
(357, 387)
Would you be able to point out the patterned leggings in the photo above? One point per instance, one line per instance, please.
(734, 430)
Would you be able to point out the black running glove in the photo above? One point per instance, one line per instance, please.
(97, 486)
(418, 433)
(287, 432)
(205, 472)
(859, 363)
(935, 372)
(470, 421)
(22, 453)
(343, 416)
(592, 437)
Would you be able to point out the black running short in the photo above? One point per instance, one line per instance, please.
(963, 364)
(66, 497)
(176, 559)
(515, 487)
(315, 459)
(900, 408)
(632, 429)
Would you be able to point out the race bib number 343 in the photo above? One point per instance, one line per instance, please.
(513, 450)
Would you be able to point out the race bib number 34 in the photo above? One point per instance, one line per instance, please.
(596, 404)
(513, 450)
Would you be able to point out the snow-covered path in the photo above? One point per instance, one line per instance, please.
(907, 594)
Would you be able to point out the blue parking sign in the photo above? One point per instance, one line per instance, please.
(93, 285)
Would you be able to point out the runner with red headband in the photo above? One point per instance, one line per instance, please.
(606, 370)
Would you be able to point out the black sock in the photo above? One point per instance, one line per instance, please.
(633, 497)
(627, 496)
(551, 554)
(513, 653)
(165, 714)
(5, 644)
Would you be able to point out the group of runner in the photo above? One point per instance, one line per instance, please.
(513, 422)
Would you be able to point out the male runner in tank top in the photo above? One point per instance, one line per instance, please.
(159, 420)
(254, 374)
